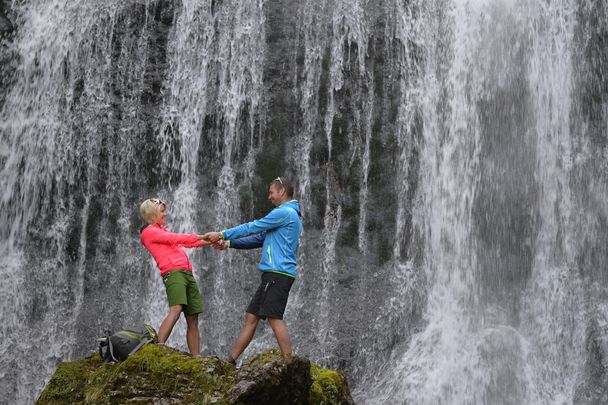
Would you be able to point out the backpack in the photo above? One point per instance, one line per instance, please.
(120, 345)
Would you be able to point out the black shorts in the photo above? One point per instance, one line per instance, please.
(270, 299)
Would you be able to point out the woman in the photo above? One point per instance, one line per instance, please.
(175, 269)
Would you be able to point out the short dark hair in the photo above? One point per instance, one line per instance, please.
(283, 182)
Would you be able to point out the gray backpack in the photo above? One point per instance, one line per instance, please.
(120, 345)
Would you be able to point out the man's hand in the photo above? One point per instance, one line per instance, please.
(204, 241)
(221, 245)
(212, 236)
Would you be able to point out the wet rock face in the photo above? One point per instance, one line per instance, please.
(160, 375)
(272, 379)
(6, 26)
(6, 68)
(593, 383)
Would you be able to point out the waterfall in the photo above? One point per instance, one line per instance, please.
(214, 75)
(449, 157)
(66, 162)
(504, 322)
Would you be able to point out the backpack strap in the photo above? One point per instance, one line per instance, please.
(151, 332)
(148, 336)
(107, 343)
(102, 344)
(140, 344)
(111, 348)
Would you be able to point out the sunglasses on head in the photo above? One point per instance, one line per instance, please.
(279, 180)
(158, 201)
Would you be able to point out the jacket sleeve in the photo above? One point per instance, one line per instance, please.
(274, 219)
(248, 242)
(196, 244)
(155, 235)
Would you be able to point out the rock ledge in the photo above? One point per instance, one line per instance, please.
(161, 375)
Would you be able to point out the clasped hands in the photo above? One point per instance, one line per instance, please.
(215, 238)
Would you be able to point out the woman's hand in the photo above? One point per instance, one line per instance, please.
(221, 245)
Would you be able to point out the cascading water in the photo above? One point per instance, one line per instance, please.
(66, 161)
(213, 75)
(506, 311)
(449, 156)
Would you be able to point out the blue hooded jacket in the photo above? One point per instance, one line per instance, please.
(278, 233)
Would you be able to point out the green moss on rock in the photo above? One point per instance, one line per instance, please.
(153, 372)
(66, 386)
(329, 387)
(157, 374)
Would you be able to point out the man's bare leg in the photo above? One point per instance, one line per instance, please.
(193, 336)
(245, 336)
(167, 325)
(280, 333)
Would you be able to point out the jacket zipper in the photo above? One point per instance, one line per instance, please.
(269, 254)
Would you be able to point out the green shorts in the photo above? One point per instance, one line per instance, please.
(182, 290)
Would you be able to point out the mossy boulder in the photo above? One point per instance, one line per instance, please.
(328, 387)
(270, 378)
(157, 374)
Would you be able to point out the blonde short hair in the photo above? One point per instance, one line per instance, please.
(150, 209)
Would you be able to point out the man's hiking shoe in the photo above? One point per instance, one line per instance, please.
(230, 360)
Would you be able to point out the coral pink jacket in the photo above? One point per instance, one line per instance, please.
(165, 246)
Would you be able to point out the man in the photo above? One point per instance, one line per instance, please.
(278, 234)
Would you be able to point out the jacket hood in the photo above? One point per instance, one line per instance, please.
(295, 205)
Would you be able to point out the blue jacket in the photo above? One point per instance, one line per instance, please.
(278, 233)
